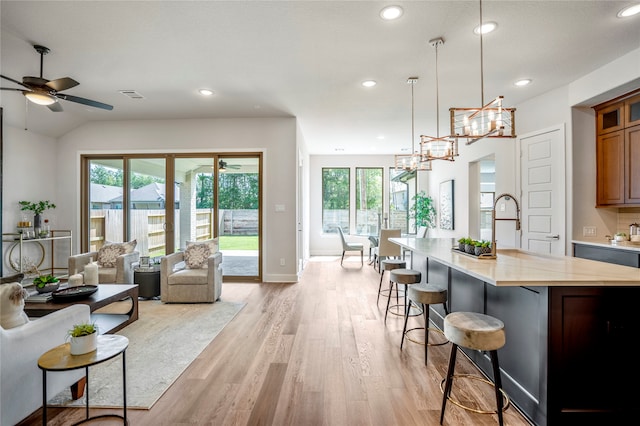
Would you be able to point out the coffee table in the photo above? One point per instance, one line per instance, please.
(106, 294)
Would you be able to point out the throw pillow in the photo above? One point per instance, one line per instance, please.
(212, 243)
(17, 278)
(12, 313)
(108, 254)
(129, 246)
(195, 256)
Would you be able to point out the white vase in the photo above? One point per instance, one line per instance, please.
(91, 273)
(84, 344)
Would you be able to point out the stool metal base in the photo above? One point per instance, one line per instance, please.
(401, 310)
(421, 342)
(480, 379)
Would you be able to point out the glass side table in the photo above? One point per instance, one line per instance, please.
(60, 359)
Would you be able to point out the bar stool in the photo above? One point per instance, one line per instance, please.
(482, 333)
(424, 295)
(406, 277)
(389, 265)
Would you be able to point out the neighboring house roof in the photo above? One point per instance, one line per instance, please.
(154, 192)
(105, 193)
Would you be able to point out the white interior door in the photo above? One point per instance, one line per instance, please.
(542, 166)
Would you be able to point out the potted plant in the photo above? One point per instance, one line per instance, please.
(423, 210)
(46, 283)
(621, 236)
(482, 247)
(83, 338)
(37, 208)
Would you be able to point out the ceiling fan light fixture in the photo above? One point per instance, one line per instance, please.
(205, 92)
(40, 98)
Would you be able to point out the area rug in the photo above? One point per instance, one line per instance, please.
(162, 343)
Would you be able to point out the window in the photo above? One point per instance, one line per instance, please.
(335, 199)
(402, 187)
(368, 200)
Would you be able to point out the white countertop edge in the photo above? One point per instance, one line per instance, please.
(516, 267)
(624, 245)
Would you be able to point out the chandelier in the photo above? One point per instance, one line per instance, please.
(438, 148)
(414, 161)
(491, 120)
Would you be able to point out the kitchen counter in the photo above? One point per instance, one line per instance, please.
(621, 245)
(514, 267)
(568, 322)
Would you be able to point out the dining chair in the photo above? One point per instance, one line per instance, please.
(347, 246)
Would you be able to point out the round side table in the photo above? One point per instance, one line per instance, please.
(60, 359)
(148, 280)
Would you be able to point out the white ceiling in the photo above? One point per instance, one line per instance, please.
(304, 59)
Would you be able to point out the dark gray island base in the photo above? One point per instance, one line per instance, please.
(563, 360)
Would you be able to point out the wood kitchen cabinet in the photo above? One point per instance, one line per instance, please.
(618, 151)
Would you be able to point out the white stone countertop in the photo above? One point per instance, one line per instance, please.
(621, 245)
(514, 267)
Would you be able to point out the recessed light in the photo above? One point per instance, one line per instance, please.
(205, 92)
(380, 137)
(485, 28)
(369, 83)
(629, 11)
(523, 82)
(391, 12)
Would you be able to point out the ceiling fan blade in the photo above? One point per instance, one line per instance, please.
(83, 101)
(11, 88)
(61, 84)
(14, 81)
(55, 107)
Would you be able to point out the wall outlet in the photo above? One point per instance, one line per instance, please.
(589, 231)
(282, 261)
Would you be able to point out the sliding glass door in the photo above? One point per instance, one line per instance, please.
(239, 214)
(165, 200)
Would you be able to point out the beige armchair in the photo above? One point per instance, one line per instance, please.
(179, 284)
(122, 273)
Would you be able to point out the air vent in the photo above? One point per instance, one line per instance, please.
(131, 94)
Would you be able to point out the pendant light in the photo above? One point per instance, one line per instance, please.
(438, 148)
(414, 161)
(491, 120)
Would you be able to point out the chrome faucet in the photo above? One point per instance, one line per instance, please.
(507, 197)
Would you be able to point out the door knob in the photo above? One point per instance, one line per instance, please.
(553, 237)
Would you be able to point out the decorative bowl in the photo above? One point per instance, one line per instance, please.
(48, 288)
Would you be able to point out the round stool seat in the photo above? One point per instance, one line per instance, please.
(427, 294)
(405, 276)
(390, 264)
(474, 331)
(480, 332)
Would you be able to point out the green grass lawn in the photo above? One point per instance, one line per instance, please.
(239, 242)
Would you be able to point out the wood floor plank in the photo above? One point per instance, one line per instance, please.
(316, 352)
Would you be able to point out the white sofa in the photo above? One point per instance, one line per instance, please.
(20, 348)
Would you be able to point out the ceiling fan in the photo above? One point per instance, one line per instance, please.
(41, 91)
(222, 166)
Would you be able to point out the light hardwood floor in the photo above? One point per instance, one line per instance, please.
(312, 353)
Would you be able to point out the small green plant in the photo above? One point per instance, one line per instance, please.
(38, 207)
(621, 234)
(83, 329)
(485, 244)
(43, 280)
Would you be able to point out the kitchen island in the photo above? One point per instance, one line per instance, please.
(570, 325)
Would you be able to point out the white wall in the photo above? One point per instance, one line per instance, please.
(60, 183)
